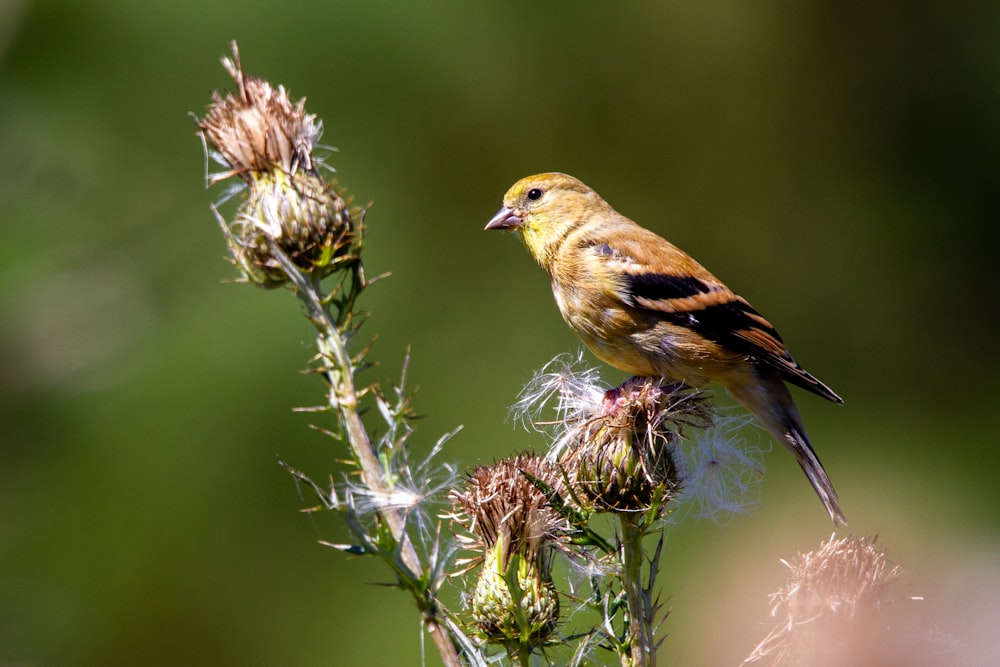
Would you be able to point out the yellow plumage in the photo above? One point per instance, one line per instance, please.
(645, 307)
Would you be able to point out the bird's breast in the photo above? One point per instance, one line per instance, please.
(606, 326)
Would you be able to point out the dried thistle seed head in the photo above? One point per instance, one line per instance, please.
(503, 508)
(513, 525)
(850, 575)
(827, 613)
(267, 140)
(259, 128)
(627, 458)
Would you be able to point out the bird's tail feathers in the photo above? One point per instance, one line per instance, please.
(797, 441)
(772, 405)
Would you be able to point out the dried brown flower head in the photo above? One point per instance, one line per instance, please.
(501, 507)
(828, 611)
(267, 141)
(513, 527)
(259, 129)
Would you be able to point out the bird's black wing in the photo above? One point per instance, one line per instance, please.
(715, 312)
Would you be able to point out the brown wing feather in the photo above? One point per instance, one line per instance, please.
(687, 294)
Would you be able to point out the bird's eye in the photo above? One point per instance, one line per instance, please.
(534, 194)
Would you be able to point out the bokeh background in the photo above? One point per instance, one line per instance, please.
(835, 162)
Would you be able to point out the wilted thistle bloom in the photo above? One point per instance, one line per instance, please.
(828, 610)
(267, 141)
(644, 442)
(626, 458)
(514, 530)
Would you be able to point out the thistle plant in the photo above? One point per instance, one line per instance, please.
(831, 610)
(293, 228)
(543, 574)
(620, 453)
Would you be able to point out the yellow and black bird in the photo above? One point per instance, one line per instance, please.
(645, 307)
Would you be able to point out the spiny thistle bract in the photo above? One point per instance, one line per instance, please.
(267, 141)
(626, 458)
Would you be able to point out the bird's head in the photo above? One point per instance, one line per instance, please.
(544, 208)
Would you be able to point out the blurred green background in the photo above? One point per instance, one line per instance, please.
(835, 162)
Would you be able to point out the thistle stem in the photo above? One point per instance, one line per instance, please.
(343, 398)
(641, 653)
(524, 655)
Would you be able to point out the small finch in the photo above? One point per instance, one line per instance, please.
(645, 307)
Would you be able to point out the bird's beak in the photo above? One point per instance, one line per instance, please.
(505, 219)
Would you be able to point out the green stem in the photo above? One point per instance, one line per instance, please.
(343, 397)
(524, 654)
(640, 631)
